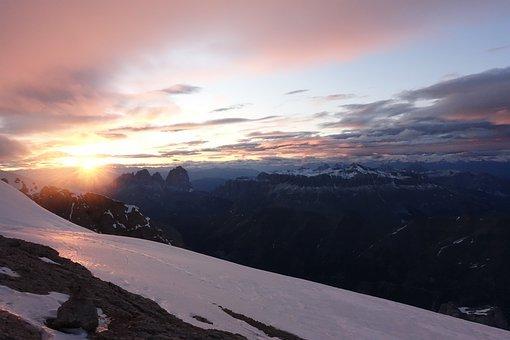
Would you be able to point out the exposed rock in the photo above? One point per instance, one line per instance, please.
(269, 330)
(77, 312)
(13, 327)
(201, 319)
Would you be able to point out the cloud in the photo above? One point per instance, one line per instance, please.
(182, 89)
(296, 92)
(321, 114)
(273, 135)
(474, 97)
(190, 126)
(174, 153)
(58, 100)
(112, 135)
(195, 142)
(230, 108)
(338, 96)
(11, 149)
(50, 82)
(499, 48)
(465, 116)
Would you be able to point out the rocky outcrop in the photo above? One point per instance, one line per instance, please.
(13, 327)
(77, 312)
(100, 214)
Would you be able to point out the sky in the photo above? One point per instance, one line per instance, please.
(89, 83)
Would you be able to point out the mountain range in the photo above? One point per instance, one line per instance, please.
(84, 283)
(432, 239)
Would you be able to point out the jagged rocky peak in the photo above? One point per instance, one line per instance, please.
(178, 179)
(143, 174)
(158, 178)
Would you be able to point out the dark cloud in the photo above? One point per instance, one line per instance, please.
(479, 99)
(182, 89)
(338, 96)
(195, 142)
(11, 149)
(174, 153)
(230, 108)
(296, 92)
(273, 135)
(321, 114)
(190, 126)
(57, 100)
(112, 135)
(28, 122)
(464, 116)
(136, 155)
(498, 79)
(499, 48)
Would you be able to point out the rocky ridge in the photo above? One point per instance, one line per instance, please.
(100, 214)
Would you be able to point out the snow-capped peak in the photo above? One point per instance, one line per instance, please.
(345, 172)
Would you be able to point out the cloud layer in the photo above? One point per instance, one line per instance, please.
(468, 115)
(64, 66)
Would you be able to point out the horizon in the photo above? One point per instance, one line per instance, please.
(166, 83)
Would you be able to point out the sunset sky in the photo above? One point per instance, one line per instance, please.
(162, 82)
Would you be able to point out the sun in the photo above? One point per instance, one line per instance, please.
(89, 165)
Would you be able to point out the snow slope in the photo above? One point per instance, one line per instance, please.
(187, 283)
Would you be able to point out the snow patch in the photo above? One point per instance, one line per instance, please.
(399, 229)
(103, 321)
(460, 240)
(8, 271)
(47, 260)
(475, 311)
(71, 213)
(129, 208)
(108, 212)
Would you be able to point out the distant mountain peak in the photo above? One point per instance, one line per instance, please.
(158, 178)
(143, 174)
(178, 178)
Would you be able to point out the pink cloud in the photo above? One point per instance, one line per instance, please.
(38, 37)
